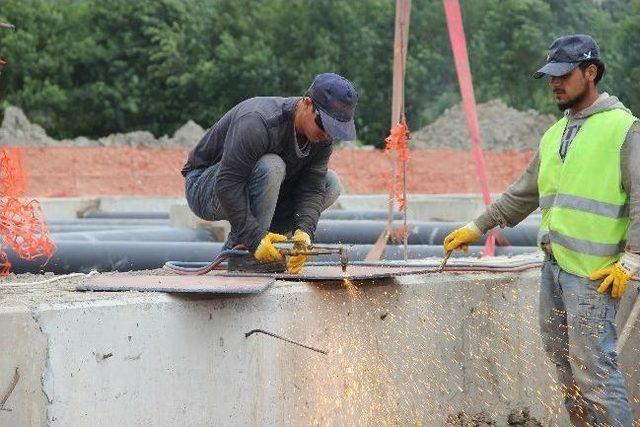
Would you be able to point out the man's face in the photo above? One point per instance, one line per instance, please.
(311, 123)
(572, 88)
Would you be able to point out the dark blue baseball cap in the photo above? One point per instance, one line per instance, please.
(566, 53)
(335, 98)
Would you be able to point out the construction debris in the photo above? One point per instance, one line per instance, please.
(518, 417)
(462, 419)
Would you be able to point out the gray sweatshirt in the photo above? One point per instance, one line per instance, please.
(521, 198)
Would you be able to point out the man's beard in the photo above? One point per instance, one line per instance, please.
(575, 100)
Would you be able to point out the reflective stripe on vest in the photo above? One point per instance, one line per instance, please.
(586, 246)
(586, 205)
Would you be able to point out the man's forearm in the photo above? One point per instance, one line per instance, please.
(630, 166)
(516, 203)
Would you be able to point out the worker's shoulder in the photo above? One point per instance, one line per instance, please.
(272, 110)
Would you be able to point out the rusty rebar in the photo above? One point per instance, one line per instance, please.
(262, 331)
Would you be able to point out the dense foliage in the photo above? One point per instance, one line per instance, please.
(93, 67)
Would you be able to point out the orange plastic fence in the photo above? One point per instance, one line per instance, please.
(397, 149)
(397, 145)
(22, 227)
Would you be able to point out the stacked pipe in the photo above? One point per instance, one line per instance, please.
(109, 241)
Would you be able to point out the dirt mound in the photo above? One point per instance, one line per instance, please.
(16, 129)
(502, 129)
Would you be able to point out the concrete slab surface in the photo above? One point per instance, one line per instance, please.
(205, 284)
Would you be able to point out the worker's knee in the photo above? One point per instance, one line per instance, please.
(269, 170)
(333, 188)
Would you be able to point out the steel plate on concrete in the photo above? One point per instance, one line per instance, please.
(206, 284)
(334, 272)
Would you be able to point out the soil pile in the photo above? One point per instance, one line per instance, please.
(16, 129)
(502, 128)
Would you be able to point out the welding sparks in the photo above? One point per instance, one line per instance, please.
(352, 289)
(402, 357)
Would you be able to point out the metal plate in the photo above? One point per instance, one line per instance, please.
(334, 273)
(384, 270)
(207, 284)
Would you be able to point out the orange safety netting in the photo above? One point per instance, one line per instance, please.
(397, 145)
(22, 227)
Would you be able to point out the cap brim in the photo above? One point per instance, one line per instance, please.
(555, 69)
(337, 130)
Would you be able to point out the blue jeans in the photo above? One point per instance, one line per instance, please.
(579, 337)
(269, 196)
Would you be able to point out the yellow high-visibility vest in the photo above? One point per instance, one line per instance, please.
(585, 209)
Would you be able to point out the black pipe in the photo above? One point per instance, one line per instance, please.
(107, 221)
(71, 257)
(328, 231)
(358, 214)
(96, 228)
(420, 233)
(374, 214)
(159, 234)
(125, 215)
(82, 257)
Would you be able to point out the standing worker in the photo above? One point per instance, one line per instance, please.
(586, 179)
(263, 167)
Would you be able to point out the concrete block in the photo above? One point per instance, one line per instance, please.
(410, 352)
(64, 208)
(139, 203)
(25, 347)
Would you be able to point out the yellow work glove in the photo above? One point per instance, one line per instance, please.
(266, 251)
(301, 242)
(462, 237)
(617, 276)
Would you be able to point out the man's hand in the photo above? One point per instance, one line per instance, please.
(266, 251)
(617, 276)
(301, 242)
(462, 237)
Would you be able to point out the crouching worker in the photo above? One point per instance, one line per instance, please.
(586, 179)
(263, 167)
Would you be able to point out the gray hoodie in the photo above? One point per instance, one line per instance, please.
(521, 198)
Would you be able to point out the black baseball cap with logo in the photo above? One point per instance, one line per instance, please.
(566, 53)
(335, 98)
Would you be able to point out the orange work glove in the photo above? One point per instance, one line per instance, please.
(266, 251)
(617, 276)
(301, 242)
(462, 237)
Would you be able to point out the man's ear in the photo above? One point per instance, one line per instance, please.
(591, 72)
(307, 101)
